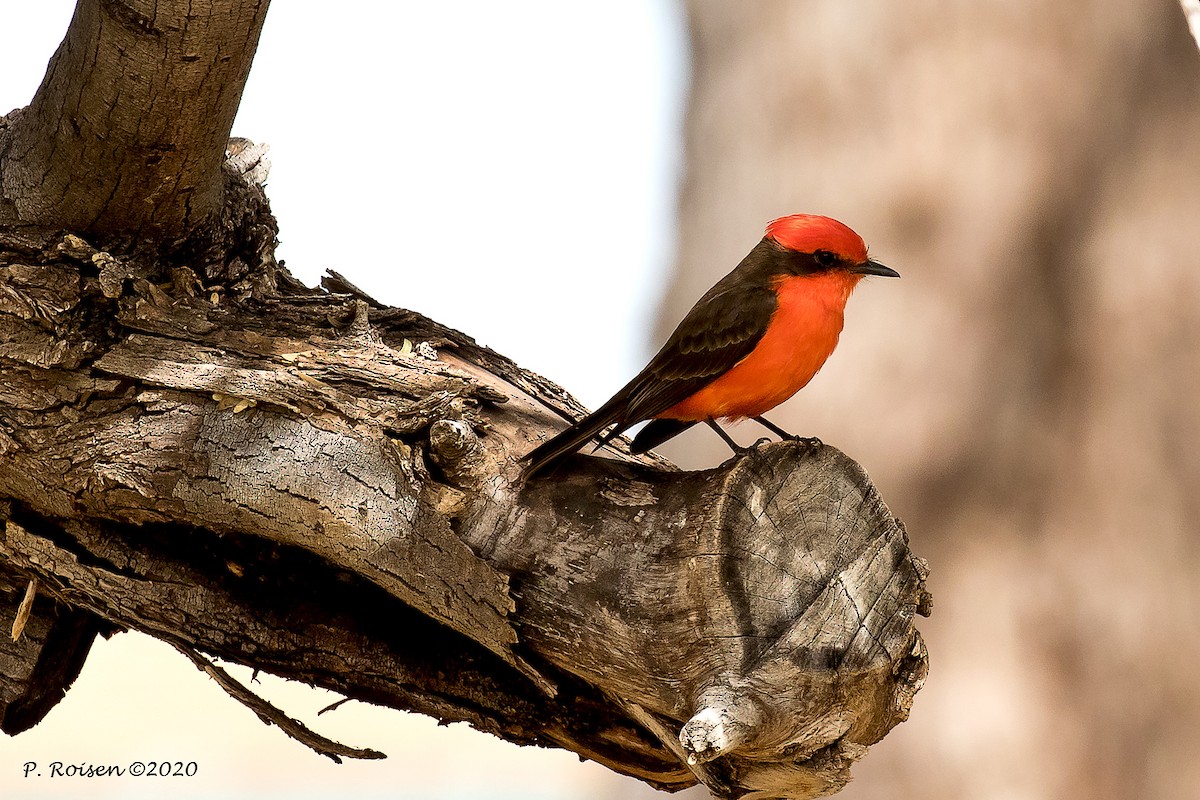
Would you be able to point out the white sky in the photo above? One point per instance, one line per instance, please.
(506, 168)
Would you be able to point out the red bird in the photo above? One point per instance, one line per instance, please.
(752, 341)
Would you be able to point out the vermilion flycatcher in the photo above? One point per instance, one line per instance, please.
(752, 341)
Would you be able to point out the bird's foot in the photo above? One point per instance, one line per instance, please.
(810, 443)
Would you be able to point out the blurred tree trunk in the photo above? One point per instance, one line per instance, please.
(1031, 388)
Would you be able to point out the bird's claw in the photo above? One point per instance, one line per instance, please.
(811, 443)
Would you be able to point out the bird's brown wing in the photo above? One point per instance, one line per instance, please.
(720, 330)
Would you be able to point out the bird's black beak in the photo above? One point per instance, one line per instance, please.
(870, 267)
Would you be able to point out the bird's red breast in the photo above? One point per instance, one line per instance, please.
(752, 341)
(801, 335)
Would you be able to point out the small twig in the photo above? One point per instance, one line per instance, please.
(335, 282)
(272, 715)
(703, 772)
(334, 705)
(23, 610)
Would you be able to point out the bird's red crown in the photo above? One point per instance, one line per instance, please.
(807, 233)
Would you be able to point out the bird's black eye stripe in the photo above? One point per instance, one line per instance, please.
(825, 258)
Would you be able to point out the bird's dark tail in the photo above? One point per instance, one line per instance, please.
(553, 450)
(657, 432)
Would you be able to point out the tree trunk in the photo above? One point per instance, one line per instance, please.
(127, 132)
(194, 446)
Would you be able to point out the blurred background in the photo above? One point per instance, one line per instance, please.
(1027, 397)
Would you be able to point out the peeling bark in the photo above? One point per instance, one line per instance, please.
(195, 446)
(248, 478)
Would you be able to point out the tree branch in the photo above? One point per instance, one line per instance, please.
(205, 467)
(273, 716)
(195, 446)
(127, 132)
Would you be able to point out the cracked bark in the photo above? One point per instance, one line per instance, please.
(307, 482)
(288, 484)
(144, 92)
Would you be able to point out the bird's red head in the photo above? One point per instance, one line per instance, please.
(807, 233)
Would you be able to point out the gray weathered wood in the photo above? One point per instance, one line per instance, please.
(750, 626)
(127, 132)
(763, 609)
(195, 446)
(40, 664)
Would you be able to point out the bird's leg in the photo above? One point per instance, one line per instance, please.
(734, 446)
(773, 428)
(811, 442)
